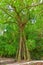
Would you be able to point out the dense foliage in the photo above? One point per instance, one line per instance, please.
(9, 30)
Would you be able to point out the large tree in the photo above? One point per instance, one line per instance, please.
(21, 13)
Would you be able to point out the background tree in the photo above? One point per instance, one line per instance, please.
(22, 16)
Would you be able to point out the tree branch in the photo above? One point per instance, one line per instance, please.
(40, 13)
(9, 22)
(18, 16)
(29, 6)
(7, 13)
(34, 5)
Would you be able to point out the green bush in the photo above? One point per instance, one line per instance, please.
(7, 49)
(31, 44)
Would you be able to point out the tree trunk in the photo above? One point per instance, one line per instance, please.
(23, 52)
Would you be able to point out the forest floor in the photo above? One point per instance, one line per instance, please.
(11, 61)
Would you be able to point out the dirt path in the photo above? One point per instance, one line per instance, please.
(10, 61)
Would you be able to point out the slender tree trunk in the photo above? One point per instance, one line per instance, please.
(20, 45)
(23, 53)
